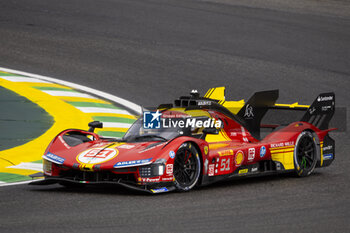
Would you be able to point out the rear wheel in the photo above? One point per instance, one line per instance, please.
(187, 167)
(305, 154)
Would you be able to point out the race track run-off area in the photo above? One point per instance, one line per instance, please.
(63, 107)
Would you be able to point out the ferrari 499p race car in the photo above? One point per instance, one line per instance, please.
(196, 141)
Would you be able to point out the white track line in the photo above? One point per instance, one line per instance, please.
(17, 183)
(69, 93)
(29, 166)
(22, 79)
(128, 104)
(116, 125)
(102, 110)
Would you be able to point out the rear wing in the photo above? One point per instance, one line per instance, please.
(251, 112)
(321, 111)
(218, 94)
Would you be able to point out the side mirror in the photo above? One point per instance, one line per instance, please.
(210, 131)
(95, 124)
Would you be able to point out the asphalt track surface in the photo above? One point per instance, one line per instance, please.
(151, 52)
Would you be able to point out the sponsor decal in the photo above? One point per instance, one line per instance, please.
(97, 155)
(324, 98)
(172, 154)
(126, 146)
(251, 153)
(330, 147)
(132, 163)
(281, 144)
(168, 179)
(312, 110)
(150, 179)
(248, 111)
(326, 108)
(327, 156)
(206, 150)
(201, 103)
(233, 134)
(243, 171)
(160, 190)
(262, 151)
(225, 152)
(54, 158)
(151, 120)
(291, 143)
(254, 169)
(169, 169)
(244, 134)
(211, 170)
(239, 158)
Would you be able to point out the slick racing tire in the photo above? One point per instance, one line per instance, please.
(305, 154)
(187, 167)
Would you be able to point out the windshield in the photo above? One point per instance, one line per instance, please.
(170, 128)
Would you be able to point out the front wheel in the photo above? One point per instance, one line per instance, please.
(305, 154)
(187, 167)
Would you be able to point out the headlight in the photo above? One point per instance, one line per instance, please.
(152, 170)
(47, 167)
(161, 169)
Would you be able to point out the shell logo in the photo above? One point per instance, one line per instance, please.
(97, 155)
(239, 158)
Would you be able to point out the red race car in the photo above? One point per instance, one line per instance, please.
(196, 141)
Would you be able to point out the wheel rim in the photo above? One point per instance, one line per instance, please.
(185, 167)
(306, 153)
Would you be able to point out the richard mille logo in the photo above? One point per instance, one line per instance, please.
(248, 111)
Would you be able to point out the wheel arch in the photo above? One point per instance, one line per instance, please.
(201, 159)
(300, 172)
(318, 145)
